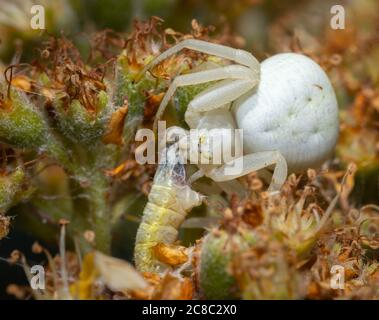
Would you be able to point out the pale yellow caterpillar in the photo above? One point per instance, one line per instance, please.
(169, 201)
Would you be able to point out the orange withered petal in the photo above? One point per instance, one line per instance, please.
(170, 254)
(116, 126)
(21, 82)
(173, 288)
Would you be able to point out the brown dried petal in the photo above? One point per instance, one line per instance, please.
(116, 126)
(173, 288)
(4, 226)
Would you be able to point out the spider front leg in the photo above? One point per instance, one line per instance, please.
(253, 162)
(240, 56)
(241, 79)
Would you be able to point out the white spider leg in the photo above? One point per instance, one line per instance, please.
(233, 72)
(230, 187)
(253, 162)
(240, 56)
(218, 96)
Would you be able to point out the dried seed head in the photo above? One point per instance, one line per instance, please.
(216, 232)
(89, 236)
(228, 214)
(37, 248)
(171, 287)
(4, 226)
(15, 256)
(64, 222)
(45, 54)
(18, 291)
(253, 214)
(311, 173)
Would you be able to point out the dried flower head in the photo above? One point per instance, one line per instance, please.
(4, 226)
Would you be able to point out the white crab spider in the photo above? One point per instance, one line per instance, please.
(289, 120)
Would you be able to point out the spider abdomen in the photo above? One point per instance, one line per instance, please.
(294, 110)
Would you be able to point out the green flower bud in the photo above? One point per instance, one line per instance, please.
(127, 89)
(218, 249)
(11, 189)
(183, 96)
(21, 124)
(267, 275)
(358, 145)
(80, 125)
(247, 264)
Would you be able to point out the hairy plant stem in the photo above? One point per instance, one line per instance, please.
(89, 187)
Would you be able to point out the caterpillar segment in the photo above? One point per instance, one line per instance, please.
(169, 201)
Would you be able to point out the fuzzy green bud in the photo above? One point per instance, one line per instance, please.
(81, 125)
(126, 88)
(22, 125)
(11, 189)
(217, 252)
(183, 96)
